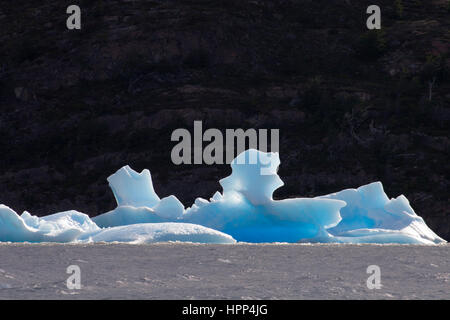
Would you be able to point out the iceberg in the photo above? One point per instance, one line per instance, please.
(60, 227)
(244, 211)
(371, 217)
(73, 226)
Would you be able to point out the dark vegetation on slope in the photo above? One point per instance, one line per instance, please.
(353, 106)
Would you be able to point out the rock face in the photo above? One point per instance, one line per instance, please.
(352, 106)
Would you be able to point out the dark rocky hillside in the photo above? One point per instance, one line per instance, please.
(353, 106)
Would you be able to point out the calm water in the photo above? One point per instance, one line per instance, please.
(242, 271)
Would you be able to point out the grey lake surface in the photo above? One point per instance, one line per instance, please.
(241, 271)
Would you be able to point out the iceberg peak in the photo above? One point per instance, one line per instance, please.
(133, 188)
(254, 174)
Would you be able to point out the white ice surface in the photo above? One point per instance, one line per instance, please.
(60, 227)
(158, 232)
(72, 226)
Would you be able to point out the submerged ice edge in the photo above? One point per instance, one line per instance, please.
(245, 211)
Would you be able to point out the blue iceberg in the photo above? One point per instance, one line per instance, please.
(244, 211)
